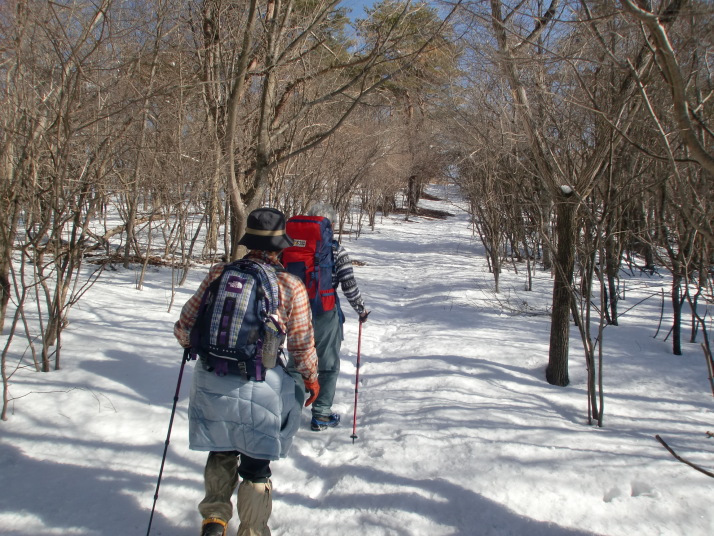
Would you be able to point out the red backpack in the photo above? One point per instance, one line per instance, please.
(311, 259)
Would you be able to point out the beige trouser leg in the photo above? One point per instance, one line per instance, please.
(255, 504)
(220, 479)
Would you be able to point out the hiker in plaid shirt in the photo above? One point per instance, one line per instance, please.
(245, 424)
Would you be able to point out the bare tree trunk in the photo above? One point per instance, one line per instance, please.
(613, 254)
(214, 211)
(414, 192)
(557, 369)
(676, 313)
(7, 239)
(669, 65)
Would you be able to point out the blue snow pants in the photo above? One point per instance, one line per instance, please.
(328, 340)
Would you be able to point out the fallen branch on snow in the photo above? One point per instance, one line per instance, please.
(677, 456)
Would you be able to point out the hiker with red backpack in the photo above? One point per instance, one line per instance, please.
(243, 407)
(323, 264)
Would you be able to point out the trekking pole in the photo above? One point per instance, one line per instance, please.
(186, 357)
(354, 417)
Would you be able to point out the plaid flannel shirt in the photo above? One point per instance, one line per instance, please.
(293, 312)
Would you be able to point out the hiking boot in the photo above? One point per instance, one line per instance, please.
(323, 422)
(213, 526)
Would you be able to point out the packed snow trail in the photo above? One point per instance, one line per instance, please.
(427, 392)
(455, 419)
(458, 432)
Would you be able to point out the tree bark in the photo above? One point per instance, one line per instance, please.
(676, 314)
(557, 371)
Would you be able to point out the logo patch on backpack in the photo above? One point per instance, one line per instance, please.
(230, 332)
(235, 284)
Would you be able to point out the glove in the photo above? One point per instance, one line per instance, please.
(363, 317)
(313, 387)
(188, 354)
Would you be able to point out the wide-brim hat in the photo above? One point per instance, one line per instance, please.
(265, 230)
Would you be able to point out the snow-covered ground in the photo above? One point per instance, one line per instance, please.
(458, 432)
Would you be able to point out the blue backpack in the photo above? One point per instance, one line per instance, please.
(236, 330)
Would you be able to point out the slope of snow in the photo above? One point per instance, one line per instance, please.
(458, 431)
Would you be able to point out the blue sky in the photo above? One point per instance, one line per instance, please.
(357, 6)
